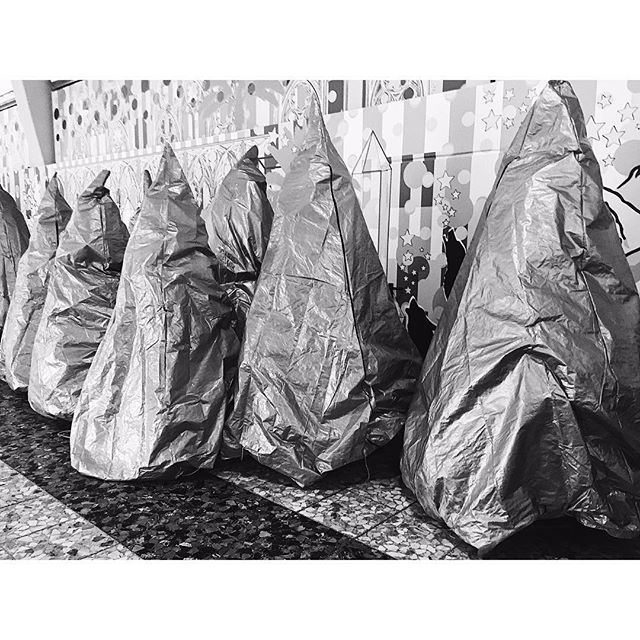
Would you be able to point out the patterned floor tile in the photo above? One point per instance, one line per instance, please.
(292, 497)
(387, 491)
(409, 534)
(5, 471)
(71, 540)
(16, 488)
(117, 552)
(39, 512)
(349, 512)
(5, 555)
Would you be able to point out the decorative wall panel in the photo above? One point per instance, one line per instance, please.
(423, 166)
(14, 159)
(99, 117)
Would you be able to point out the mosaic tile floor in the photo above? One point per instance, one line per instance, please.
(240, 511)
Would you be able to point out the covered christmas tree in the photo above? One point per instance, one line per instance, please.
(14, 239)
(327, 370)
(238, 223)
(155, 398)
(32, 281)
(528, 404)
(80, 299)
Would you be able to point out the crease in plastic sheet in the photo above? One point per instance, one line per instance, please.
(327, 370)
(156, 396)
(146, 183)
(14, 239)
(80, 299)
(238, 221)
(528, 405)
(32, 279)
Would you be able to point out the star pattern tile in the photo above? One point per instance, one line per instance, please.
(491, 121)
(407, 238)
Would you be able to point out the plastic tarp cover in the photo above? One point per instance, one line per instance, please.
(238, 222)
(146, 183)
(327, 370)
(156, 396)
(80, 299)
(14, 239)
(528, 405)
(30, 291)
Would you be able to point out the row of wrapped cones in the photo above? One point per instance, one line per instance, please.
(159, 390)
(247, 330)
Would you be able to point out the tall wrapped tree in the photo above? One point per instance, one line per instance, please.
(32, 280)
(327, 369)
(80, 299)
(155, 399)
(238, 222)
(528, 404)
(14, 239)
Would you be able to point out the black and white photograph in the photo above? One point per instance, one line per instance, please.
(310, 321)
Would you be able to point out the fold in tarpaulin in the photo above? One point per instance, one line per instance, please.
(155, 398)
(528, 405)
(146, 183)
(327, 370)
(14, 239)
(238, 223)
(30, 291)
(80, 299)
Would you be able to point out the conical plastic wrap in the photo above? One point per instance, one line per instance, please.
(238, 223)
(327, 370)
(528, 405)
(14, 239)
(30, 291)
(155, 398)
(146, 183)
(80, 299)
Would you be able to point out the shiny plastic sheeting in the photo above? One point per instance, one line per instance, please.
(30, 291)
(146, 183)
(155, 398)
(327, 369)
(238, 223)
(528, 405)
(14, 239)
(80, 299)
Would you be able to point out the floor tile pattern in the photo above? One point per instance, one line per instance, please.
(242, 511)
(201, 516)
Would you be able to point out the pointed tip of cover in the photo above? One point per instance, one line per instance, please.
(555, 123)
(315, 121)
(97, 189)
(170, 173)
(54, 185)
(252, 154)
